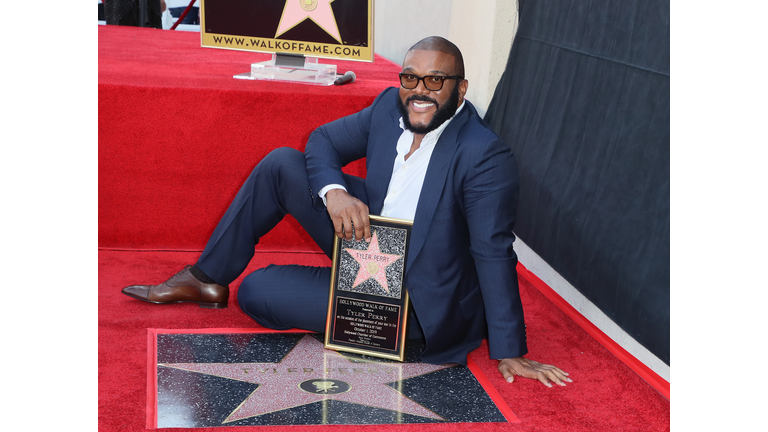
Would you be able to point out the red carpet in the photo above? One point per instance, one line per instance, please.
(605, 394)
(177, 136)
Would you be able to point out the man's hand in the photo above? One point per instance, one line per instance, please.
(511, 367)
(349, 215)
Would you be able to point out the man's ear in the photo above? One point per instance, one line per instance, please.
(463, 85)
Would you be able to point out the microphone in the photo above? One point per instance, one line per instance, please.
(346, 78)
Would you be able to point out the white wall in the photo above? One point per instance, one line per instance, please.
(398, 24)
(482, 29)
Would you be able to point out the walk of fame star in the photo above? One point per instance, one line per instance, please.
(373, 263)
(319, 11)
(310, 374)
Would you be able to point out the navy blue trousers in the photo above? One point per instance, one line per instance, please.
(286, 296)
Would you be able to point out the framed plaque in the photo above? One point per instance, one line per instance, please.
(368, 303)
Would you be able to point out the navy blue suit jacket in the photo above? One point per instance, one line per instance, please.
(460, 273)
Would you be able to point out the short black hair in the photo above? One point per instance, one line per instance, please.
(437, 43)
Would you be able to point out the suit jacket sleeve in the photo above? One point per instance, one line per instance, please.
(490, 200)
(335, 144)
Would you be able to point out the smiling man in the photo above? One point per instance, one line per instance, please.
(421, 110)
(431, 159)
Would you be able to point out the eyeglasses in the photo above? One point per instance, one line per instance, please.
(431, 82)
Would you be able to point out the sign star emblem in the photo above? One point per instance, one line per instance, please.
(319, 11)
(373, 263)
(310, 374)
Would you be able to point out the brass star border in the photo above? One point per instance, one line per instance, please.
(287, 378)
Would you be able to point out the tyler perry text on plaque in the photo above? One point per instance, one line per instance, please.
(368, 302)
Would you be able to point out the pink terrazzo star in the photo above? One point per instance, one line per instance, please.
(373, 263)
(319, 11)
(284, 385)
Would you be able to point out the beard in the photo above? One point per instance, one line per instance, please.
(442, 113)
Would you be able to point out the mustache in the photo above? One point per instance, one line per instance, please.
(422, 98)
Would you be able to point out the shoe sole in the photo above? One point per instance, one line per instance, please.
(206, 305)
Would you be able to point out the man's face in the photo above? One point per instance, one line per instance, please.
(424, 110)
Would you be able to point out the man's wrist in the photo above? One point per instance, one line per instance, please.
(328, 188)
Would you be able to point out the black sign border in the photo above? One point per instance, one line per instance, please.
(332, 51)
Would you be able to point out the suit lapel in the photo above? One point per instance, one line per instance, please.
(434, 182)
(381, 161)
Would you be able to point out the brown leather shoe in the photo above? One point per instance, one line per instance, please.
(182, 287)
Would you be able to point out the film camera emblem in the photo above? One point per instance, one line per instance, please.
(308, 5)
(324, 386)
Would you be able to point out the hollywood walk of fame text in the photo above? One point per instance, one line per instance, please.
(367, 323)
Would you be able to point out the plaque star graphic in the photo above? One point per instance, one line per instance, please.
(373, 263)
(319, 11)
(310, 373)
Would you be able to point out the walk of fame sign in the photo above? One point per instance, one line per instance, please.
(368, 302)
(311, 28)
(257, 377)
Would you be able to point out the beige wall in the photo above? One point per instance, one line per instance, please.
(482, 29)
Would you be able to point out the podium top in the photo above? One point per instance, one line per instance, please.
(146, 57)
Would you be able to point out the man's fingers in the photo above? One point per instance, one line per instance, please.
(357, 228)
(531, 369)
(363, 225)
(338, 227)
(542, 377)
(506, 372)
(555, 374)
(562, 375)
(551, 376)
(359, 224)
(343, 227)
(349, 215)
(349, 229)
(354, 227)
(546, 374)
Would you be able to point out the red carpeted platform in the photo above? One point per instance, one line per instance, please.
(177, 136)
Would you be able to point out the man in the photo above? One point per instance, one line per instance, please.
(431, 159)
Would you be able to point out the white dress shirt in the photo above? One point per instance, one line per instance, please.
(407, 175)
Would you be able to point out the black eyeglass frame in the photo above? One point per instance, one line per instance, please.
(424, 78)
